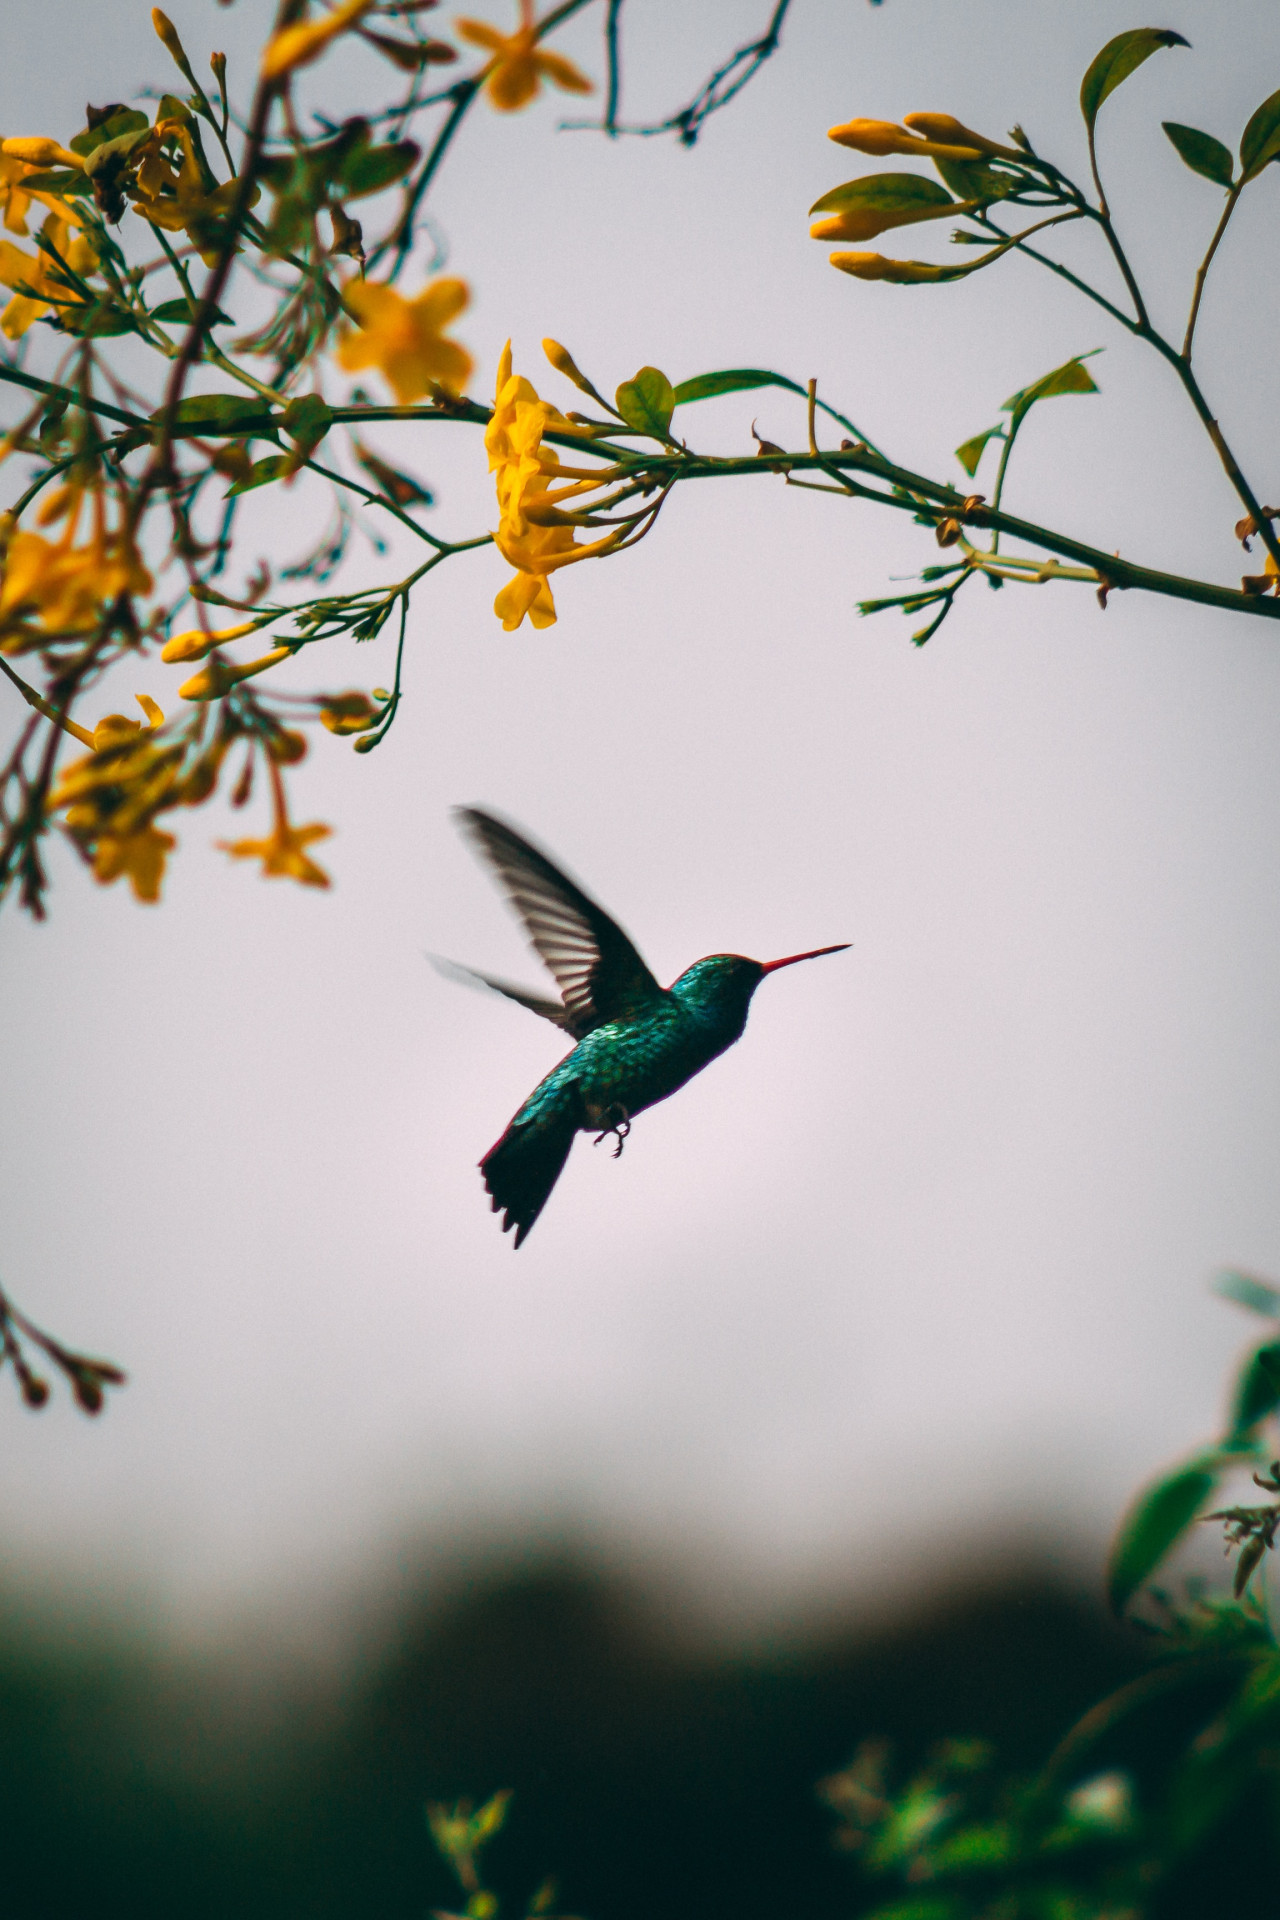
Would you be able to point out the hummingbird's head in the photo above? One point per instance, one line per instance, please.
(725, 982)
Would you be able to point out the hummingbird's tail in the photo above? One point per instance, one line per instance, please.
(523, 1166)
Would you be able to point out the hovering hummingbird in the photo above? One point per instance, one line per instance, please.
(637, 1042)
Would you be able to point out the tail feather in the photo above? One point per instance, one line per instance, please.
(523, 1166)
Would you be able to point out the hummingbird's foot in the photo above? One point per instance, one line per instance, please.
(618, 1128)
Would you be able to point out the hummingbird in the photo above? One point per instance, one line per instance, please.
(636, 1042)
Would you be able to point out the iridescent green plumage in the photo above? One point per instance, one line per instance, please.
(637, 1042)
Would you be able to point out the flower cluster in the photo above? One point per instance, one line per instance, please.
(54, 590)
(534, 533)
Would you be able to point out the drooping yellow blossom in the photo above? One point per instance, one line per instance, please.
(17, 198)
(64, 586)
(297, 46)
(36, 271)
(113, 794)
(519, 65)
(283, 854)
(185, 200)
(405, 339)
(531, 533)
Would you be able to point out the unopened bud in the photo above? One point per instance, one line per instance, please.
(348, 713)
(563, 362)
(168, 33)
(947, 531)
(196, 643)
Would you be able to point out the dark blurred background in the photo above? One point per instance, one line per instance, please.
(656, 1770)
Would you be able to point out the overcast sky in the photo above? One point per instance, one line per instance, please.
(924, 1260)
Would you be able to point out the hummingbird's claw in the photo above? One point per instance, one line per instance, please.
(618, 1129)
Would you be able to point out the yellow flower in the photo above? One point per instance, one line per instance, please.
(519, 65)
(182, 201)
(283, 855)
(113, 794)
(532, 532)
(65, 586)
(16, 198)
(405, 339)
(141, 855)
(297, 46)
(36, 272)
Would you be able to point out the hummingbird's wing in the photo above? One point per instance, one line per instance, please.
(469, 977)
(598, 971)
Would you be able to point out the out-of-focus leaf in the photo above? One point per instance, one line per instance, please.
(1257, 1391)
(646, 402)
(409, 55)
(1118, 59)
(706, 386)
(1248, 1291)
(306, 421)
(1202, 153)
(972, 451)
(1260, 141)
(93, 323)
(369, 169)
(1071, 377)
(216, 412)
(886, 193)
(263, 472)
(1157, 1519)
(119, 120)
(180, 313)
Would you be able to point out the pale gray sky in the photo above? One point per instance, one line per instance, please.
(925, 1257)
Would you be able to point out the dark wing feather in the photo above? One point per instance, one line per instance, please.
(598, 971)
(552, 1010)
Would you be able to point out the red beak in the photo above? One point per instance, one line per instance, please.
(815, 953)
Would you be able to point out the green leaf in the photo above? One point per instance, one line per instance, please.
(1118, 59)
(306, 421)
(218, 413)
(972, 451)
(706, 386)
(1260, 141)
(1156, 1520)
(122, 120)
(976, 179)
(886, 193)
(646, 402)
(1071, 377)
(1246, 1291)
(93, 323)
(179, 311)
(263, 473)
(370, 169)
(1202, 153)
(1257, 1391)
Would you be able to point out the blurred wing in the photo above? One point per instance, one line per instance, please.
(468, 977)
(598, 971)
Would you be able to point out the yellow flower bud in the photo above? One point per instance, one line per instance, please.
(39, 152)
(878, 266)
(563, 362)
(885, 136)
(348, 713)
(196, 643)
(168, 33)
(944, 127)
(218, 678)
